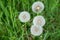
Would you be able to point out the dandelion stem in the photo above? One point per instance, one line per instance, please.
(26, 31)
(37, 14)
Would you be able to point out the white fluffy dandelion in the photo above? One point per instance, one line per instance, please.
(38, 7)
(36, 30)
(24, 16)
(39, 20)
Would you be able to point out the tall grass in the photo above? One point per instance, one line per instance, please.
(12, 29)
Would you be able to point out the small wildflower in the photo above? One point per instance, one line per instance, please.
(39, 20)
(37, 7)
(24, 16)
(36, 30)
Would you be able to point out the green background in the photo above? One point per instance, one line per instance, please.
(12, 29)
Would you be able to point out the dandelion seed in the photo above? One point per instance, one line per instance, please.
(24, 16)
(39, 20)
(37, 7)
(36, 30)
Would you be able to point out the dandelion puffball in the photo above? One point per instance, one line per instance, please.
(37, 7)
(36, 30)
(24, 16)
(39, 20)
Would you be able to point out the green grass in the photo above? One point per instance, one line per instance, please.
(12, 29)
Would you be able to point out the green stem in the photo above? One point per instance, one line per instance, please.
(26, 31)
(37, 14)
(22, 32)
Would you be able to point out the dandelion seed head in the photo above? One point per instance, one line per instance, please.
(36, 30)
(37, 7)
(24, 16)
(39, 20)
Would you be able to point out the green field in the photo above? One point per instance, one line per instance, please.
(12, 29)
